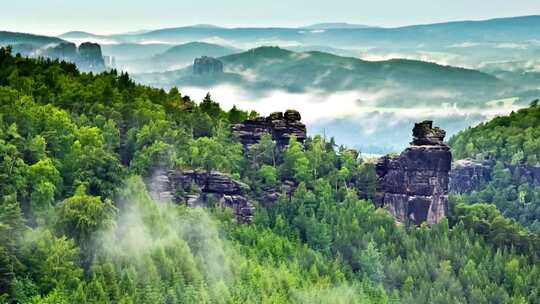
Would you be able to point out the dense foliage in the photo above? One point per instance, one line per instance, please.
(510, 139)
(77, 225)
(512, 143)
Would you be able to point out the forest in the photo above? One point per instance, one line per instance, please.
(511, 143)
(77, 224)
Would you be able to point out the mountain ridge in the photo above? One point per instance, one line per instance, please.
(395, 82)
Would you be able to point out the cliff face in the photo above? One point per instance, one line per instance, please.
(207, 66)
(202, 189)
(468, 175)
(64, 51)
(282, 126)
(90, 57)
(414, 185)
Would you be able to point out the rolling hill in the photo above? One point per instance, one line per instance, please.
(80, 34)
(409, 81)
(460, 43)
(131, 51)
(185, 53)
(346, 35)
(171, 58)
(15, 38)
(334, 25)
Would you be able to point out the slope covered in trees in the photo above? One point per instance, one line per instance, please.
(77, 225)
(512, 143)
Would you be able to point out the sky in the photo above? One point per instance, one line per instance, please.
(53, 17)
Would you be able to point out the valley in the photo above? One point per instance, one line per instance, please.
(357, 87)
(347, 162)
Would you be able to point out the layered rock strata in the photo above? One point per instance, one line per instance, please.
(203, 189)
(281, 126)
(207, 66)
(468, 175)
(414, 185)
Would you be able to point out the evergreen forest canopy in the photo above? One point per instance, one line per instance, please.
(78, 226)
(511, 142)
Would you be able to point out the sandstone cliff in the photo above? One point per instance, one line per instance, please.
(207, 66)
(202, 189)
(282, 126)
(468, 175)
(90, 57)
(414, 185)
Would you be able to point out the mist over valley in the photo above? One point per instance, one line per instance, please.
(343, 152)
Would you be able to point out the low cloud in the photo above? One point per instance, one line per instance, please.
(441, 58)
(360, 118)
(512, 46)
(146, 228)
(101, 41)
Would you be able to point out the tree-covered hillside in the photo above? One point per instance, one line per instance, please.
(511, 143)
(78, 226)
(9, 38)
(510, 139)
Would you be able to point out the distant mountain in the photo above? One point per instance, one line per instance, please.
(135, 32)
(131, 51)
(182, 55)
(324, 49)
(172, 57)
(79, 37)
(189, 51)
(343, 34)
(87, 56)
(460, 43)
(31, 45)
(205, 26)
(80, 34)
(335, 25)
(14, 38)
(408, 81)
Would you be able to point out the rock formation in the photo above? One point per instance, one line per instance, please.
(414, 185)
(65, 51)
(90, 57)
(207, 66)
(282, 126)
(202, 189)
(468, 175)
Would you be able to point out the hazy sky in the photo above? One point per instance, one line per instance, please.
(111, 16)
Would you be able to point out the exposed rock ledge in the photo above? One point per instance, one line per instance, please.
(207, 66)
(202, 189)
(282, 126)
(468, 175)
(414, 185)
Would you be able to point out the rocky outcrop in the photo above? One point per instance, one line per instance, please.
(282, 126)
(65, 51)
(207, 66)
(271, 196)
(202, 189)
(469, 175)
(414, 185)
(90, 57)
